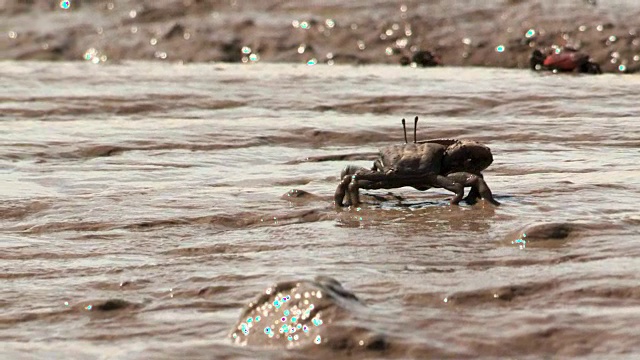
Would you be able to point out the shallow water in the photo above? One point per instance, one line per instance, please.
(162, 185)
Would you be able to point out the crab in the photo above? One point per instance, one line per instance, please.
(450, 164)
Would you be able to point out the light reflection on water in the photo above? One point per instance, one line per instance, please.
(167, 176)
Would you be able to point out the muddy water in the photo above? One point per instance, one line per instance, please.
(141, 207)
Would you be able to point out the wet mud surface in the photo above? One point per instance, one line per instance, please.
(495, 33)
(143, 205)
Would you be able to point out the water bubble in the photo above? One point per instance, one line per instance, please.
(90, 53)
(403, 8)
(500, 48)
(12, 34)
(312, 62)
(302, 48)
(45, 46)
(133, 14)
(318, 340)
(65, 4)
(615, 54)
(636, 58)
(134, 29)
(530, 33)
(582, 28)
(407, 30)
(153, 41)
(613, 38)
(295, 24)
(186, 36)
(354, 26)
(330, 62)
(111, 6)
(304, 25)
(466, 41)
(522, 244)
(160, 54)
(254, 57)
(246, 50)
(330, 23)
(388, 51)
(361, 45)
(622, 68)
(89, 307)
(402, 43)
(599, 27)
(389, 32)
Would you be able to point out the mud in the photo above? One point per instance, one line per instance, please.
(167, 221)
(493, 33)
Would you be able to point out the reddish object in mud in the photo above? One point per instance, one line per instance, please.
(565, 61)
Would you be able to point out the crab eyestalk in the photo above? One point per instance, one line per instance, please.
(415, 130)
(404, 128)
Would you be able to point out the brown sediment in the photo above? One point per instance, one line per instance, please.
(23, 209)
(182, 218)
(232, 221)
(337, 157)
(299, 195)
(466, 33)
(303, 314)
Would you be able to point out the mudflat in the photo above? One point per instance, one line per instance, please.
(495, 33)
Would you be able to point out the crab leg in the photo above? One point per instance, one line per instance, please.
(476, 182)
(341, 191)
(368, 179)
(344, 188)
(474, 194)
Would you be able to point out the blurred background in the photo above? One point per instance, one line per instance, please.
(464, 32)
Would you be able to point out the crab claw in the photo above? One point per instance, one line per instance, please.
(346, 177)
